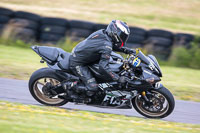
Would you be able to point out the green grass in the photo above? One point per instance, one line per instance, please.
(20, 63)
(175, 15)
(183, 82)
(19, 118)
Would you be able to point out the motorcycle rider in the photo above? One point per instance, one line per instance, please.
(97, 48)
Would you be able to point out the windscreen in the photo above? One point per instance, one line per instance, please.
(143, 58)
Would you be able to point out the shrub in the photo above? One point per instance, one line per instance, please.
(184, 57)
(16, 43)
(66, 45)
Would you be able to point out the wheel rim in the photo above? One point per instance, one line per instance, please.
(153, 113)
(37, 88)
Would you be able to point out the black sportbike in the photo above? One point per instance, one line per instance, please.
(143, 91)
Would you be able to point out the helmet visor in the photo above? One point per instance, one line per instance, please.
(123, 38)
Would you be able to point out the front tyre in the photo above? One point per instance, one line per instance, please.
(161, 103)
(38, 80)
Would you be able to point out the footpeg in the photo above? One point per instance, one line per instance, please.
(69, 85)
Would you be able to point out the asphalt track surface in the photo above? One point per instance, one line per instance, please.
(17, 91)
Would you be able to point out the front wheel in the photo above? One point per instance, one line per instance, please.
(161, 103)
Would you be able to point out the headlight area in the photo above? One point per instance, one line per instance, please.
(150, 77)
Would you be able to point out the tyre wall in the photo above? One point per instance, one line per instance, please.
(31, 27)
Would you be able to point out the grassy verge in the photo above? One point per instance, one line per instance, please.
(175, 15)
(183, 82)
(20, 63)
(19, 118)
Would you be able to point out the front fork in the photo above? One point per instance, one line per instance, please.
(144, 94)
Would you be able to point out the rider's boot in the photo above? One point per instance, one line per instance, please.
(84, 90)
(85, 93)
(79, 92)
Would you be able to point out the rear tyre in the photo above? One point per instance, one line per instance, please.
(38, 79)
(164, 103)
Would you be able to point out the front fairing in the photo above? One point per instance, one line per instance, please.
(155, 63)
(149, 62)
(148, 76)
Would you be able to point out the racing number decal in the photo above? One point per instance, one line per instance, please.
(136, 62)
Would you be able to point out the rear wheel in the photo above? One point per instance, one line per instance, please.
(41, 78)
(161, 103)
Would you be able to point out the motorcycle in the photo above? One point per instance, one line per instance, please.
(143, 91)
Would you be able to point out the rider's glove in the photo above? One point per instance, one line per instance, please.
(129, 51)
(123, 79)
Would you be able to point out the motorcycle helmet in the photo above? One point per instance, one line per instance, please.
(119, 32)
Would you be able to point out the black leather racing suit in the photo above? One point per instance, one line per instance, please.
(96, 48)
